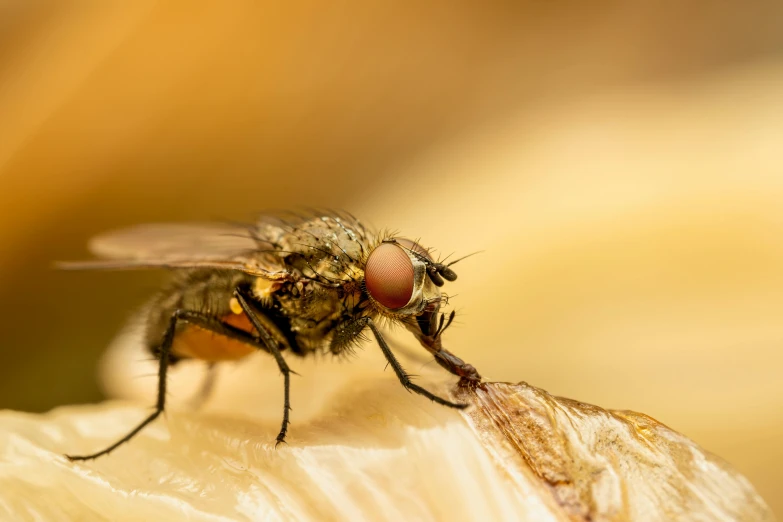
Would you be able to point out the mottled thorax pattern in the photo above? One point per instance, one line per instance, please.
(325, 257)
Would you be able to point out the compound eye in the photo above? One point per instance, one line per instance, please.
(388, 276)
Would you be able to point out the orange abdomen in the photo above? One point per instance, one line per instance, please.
(198, 343)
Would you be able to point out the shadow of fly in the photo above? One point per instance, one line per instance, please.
(301, 285)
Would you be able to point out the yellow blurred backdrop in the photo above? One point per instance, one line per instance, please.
(620, 165)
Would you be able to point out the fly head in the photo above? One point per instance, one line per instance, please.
(404, 283)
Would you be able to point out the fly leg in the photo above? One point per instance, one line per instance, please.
(196, 318)
(431, 340)
(352, 330)
(201, 320)
(272, 347)
(205, 391)
(469, 376)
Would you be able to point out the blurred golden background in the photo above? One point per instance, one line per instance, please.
(619, 164)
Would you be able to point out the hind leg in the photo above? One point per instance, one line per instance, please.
(195, 318)
(204, 392)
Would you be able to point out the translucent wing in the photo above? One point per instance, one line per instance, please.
(223, 246)
(158, 241)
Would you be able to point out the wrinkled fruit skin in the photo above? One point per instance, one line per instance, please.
(598, 464)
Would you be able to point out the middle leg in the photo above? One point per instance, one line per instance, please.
(273, 348)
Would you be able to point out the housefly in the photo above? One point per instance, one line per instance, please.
(300, 285)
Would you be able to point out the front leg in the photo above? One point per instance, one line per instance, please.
(351, 331)
(467, 373)
(428, 333)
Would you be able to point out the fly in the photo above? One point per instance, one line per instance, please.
(303, 285)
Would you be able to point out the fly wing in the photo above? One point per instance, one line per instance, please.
(157, 241)
(223, 246)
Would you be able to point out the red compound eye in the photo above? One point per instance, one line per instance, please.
(389, 276)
